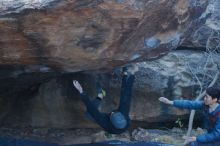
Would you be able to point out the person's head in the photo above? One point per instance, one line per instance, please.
(118, 120)
(212, 95)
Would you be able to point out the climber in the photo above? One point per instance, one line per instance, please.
(211, 109)
(118, 120)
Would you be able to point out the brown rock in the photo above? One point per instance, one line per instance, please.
(83, 35)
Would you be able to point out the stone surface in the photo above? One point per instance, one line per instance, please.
(16, 6)
(43, 43)
(55, 103)
(75, 35)
(178, 75)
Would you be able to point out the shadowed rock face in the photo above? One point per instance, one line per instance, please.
(77, 35)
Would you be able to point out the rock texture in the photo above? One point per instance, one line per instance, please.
(43, 44)
(55, 103)
(178, 75)
(79, 35)
(206, 35)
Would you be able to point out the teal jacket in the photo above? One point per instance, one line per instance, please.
(213, 128)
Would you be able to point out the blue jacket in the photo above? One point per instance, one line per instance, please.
(213, 131)
(102, 119)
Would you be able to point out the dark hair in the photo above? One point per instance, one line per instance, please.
(214, 92)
